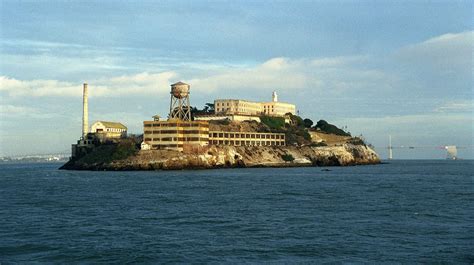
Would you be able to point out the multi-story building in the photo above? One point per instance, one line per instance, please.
(250, 108)
(237, 106)
(246, 138)
(278, 108)
(174, 134)
(177, 134)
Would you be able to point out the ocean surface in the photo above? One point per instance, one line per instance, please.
(401, 212)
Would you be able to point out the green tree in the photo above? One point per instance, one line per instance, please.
(324, 126)
(287, 158)
(210, 107)
(307, 123)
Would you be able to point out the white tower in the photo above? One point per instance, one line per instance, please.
(179, 107)
(274, 96)
(85, 111)
(390, 148)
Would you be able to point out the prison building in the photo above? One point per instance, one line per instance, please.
(250, 108)
(278, 108)
(237, 106)
(246, 138)
(174, 134)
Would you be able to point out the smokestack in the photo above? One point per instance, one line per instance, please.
(85, 111)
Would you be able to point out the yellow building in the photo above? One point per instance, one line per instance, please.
(278, 108)
(174, 134)
(250, 108)
(237, 106)
(109, 129)
(177, 134)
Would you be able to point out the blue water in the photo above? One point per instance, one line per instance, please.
(405, 211)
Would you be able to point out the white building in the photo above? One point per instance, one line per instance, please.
(109, 129)
(245, 107)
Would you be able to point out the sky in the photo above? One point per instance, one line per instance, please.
(399, 68)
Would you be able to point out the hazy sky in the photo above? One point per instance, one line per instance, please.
(403, 68)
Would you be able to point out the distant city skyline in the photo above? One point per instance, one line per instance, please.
(380, 68)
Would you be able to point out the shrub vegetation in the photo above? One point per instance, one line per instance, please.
(287, 158)
(274, 123)
(329, 128)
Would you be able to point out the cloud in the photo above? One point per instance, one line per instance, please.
(331, 74)
(447, 54)
(456, 106)
(336, 74)
(14, 111)
(138, 85)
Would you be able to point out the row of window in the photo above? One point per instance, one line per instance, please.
(176, 132)
(203, 125)
(176, 139)
(246, 143)
(247, 135)
(114, 130)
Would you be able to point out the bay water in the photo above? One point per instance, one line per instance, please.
(398, 212)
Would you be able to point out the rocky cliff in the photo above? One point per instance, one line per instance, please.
(235, 156)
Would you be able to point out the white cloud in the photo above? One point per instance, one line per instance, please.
(448, 53)
(14, 111)
(139, 84)
(456, 106)
(331, 74)
(37, 88)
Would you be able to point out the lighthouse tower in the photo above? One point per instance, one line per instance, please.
(274, 96)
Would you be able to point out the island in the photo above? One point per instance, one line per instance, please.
(225, 134)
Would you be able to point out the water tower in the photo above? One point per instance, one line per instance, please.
(179, 107)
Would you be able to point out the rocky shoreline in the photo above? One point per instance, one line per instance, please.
(235, 157)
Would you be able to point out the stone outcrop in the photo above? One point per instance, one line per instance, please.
(238, 156)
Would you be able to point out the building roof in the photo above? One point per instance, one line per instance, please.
(111, 124)
(179, 83)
